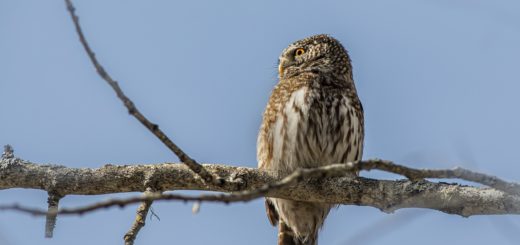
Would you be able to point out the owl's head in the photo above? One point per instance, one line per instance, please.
(317, 54)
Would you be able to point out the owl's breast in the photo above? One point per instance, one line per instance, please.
(309, 130)
(284, 120)
(290, 123)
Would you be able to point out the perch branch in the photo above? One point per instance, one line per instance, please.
(316, 185)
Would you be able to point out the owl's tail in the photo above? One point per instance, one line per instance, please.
(287, 237)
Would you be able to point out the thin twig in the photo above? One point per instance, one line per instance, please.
(50, 222)
(132, 109)
(456, 173)
(154, 214)
(140, 220)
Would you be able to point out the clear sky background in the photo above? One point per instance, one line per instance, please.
(439, 81)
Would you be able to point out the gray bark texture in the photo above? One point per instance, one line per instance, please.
(386, 195)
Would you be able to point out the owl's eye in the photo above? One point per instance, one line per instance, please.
(299, 52)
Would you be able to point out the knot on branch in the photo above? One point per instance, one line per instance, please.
(8, 160)
(8, 152)
(237, 181)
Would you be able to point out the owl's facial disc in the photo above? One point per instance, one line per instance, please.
(315, 54)
(295, 59)
(292, 56)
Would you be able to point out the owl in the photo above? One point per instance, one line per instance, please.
(314, 118)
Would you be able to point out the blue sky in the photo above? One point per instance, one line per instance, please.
(438, 81)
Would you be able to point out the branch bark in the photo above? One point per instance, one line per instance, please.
(53, 203)
(318, 186)
(140, 220)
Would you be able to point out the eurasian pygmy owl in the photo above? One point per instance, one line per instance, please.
(314, 118)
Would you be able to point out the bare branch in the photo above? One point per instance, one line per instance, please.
(132, 109)
(140, 220)
(52, 213)
(456, 173)
(315, 185)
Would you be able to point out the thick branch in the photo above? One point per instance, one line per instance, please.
(383, 194)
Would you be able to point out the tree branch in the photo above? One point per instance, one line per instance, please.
(132, 109)
(52, 212)
(315, 185)
(456, 173)
(140, 220)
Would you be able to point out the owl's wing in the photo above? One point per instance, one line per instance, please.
(272, 214)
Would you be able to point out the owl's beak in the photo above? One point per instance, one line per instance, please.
(282, 64)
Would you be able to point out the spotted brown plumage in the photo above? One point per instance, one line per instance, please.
(313, 118)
